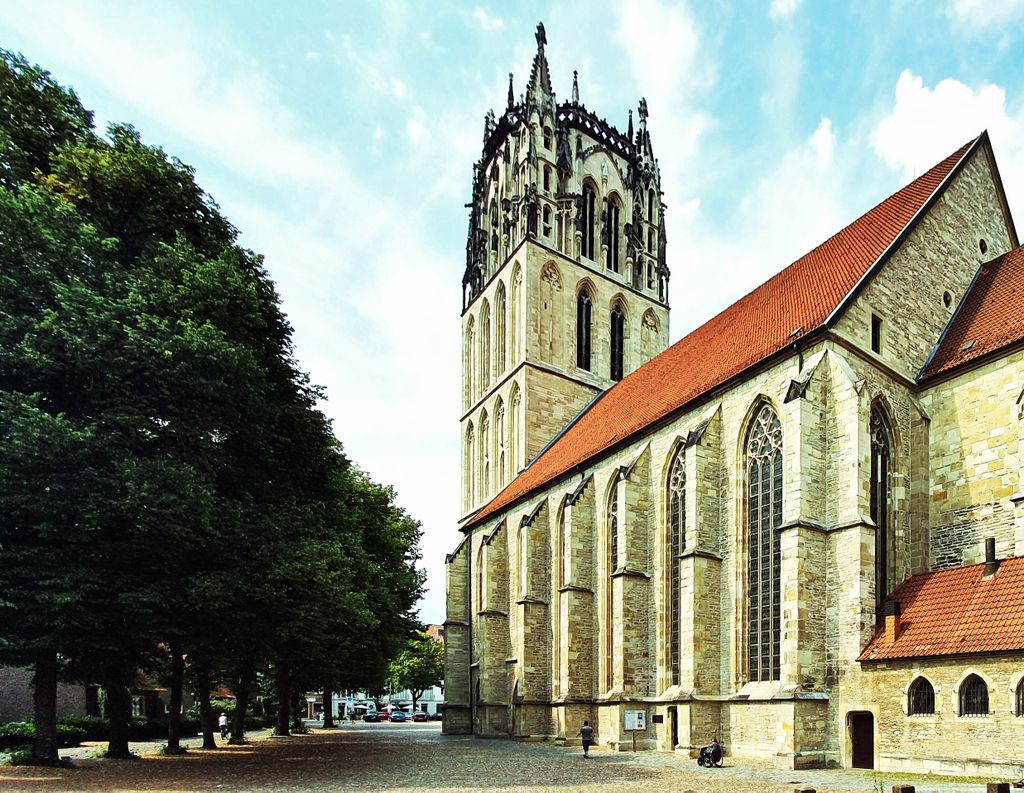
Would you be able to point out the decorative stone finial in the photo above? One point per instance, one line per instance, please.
(511, 93)
(575, 88)
(542, 39)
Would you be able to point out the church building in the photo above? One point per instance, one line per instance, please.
(800, 528)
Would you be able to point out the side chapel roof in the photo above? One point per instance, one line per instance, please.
(955, 612)
(790, 305)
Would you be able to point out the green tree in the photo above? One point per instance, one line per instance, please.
(419, 666)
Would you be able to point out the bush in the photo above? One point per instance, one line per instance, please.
(96, 728)
(18, 735)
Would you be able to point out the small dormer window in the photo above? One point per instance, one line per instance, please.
(876, 333)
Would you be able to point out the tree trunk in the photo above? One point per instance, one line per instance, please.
(205, 709)
(44, 700)
(328, 708)
(92, 701)
(119, 708)
(415, 697)
(241, 704)
(298, 712)
(174, 717)
(283, 684)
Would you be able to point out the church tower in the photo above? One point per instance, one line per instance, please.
(565, 290)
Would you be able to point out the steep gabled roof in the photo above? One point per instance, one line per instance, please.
(956, 612)
(990, 317)
(793, 303)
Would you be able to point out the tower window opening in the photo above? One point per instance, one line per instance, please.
(584, 307)
(876, 333)
(617, 342)
(547, 221)
(611, 237)
(588, 220)
(548, 138)
(650, 205)
(547, 178)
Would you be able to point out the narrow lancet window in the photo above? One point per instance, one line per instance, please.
(674, 547)
(618, 344)
(584, 308)
(879, 493)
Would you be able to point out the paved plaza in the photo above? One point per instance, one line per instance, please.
(416, 757)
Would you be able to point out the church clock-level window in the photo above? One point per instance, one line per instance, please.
(589, 220)
(675, 545)
(879, 493)
(764, 519)
(618, 345)
(584, 309)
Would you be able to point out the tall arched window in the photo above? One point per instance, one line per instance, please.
(481, 577)
(921, 698)
(485, 456)
(469, 362)
(584, 309)
(611, 564)
(546, 221)
(880, 492)
(764, 518)
(499, 329)
(469, 467)
(485, 346)
(676, 542)
(524, 561)
(650, 205)
(514, 422)
(589, 220)
(974, 697)
(515, 296)
(499, 444)
(612, 236)
(618, 342)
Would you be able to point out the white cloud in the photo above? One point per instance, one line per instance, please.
(783, 9)
(795, 205)
(487, 22)
(927, 124)
(984, 15)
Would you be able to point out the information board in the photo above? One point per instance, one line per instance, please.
(636, 720)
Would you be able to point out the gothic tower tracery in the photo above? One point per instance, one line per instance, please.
(565, 289)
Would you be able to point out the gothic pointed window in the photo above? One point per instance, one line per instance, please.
(469, 466)
(485, 457)
(921, 698)
(612, 235)
(485, 346)
(584, 309)
(676, 542)
(514, 423)
(499, 444)
(764, 519)
(500, 360)
(546, 215)
(974, 697)
(650, 205)
(589, 220)
(515, 298)
(880, 498)
(612, 563)
(469, 363)
(618, 342)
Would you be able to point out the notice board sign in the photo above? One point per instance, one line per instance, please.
(636, 720)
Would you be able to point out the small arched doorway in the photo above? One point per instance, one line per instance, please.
(862, 739)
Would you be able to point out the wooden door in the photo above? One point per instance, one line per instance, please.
(862, 738)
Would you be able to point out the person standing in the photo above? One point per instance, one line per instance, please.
(587, 734)
(222, 722)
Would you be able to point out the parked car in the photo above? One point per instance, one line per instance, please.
(419, 716)
(384, 715)
(371, 716)
(436, 716)
(399, 715)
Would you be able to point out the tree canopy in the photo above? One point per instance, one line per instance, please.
(169, 488)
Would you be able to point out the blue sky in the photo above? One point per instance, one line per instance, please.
(339, 138)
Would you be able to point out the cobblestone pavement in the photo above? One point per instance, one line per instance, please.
(416, 757)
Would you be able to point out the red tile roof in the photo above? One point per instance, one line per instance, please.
(758, 325)
(990, 317)
(958, 611)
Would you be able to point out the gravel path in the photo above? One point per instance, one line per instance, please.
(416, 757)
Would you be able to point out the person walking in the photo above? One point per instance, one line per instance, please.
(222, 722)
(587, 734)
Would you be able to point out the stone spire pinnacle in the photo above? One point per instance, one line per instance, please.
(575, 87)
(511, 93)
(538, 90)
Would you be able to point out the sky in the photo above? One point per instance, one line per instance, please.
(339, 138)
